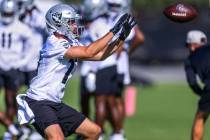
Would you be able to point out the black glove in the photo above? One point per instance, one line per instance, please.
(119, 23)
(127, 28)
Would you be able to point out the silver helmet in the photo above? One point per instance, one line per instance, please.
(8, 11)
(119, 5)
(92, 9)
(64, 20)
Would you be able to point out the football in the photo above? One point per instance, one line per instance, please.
(180, 12)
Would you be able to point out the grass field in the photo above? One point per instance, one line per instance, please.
(164, 112)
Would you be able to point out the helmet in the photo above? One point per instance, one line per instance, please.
(7, 10)
(92, 9)
(119, 5)
(196, 36)
(63, 19)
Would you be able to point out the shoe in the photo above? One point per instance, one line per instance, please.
(25, 132)
(7, 136)
(35, 136)
(116, 137)
(14, 130)
(101, 137)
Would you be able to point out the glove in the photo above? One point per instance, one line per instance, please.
(123, 19)
(127, 28)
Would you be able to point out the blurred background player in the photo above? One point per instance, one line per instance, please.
(197, 64)
(106, 86)
(13, 36)
(90, 10)
(136, 38)
(33, 17)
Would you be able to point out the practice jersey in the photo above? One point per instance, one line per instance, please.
(53, 71)
(98, 29)
(123, 59)
(13, 38)
(87, 66)
(36, 23)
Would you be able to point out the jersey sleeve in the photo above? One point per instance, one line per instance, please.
(61, 48)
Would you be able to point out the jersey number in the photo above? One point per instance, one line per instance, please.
(6, 40)
(72, 65)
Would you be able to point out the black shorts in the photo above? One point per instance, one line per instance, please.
(204, 102)
(10, 79)
(26, 77)
(48, 113)
(106, 81)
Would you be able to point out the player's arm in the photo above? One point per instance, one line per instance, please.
(108, 51)
(137, 40)
(191, 78)
(88, 52)
(118, 43)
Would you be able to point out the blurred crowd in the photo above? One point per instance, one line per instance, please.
(22, 35)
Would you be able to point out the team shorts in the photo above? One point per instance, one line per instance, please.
(26, 77)
(204, 102)
(10, 79)
(48, 113)
(106, 81)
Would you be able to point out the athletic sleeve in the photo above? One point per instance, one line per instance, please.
(191, 78)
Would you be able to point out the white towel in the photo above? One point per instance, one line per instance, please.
(25, 114)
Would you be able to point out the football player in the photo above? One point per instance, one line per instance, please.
(136, 38)
(33, 17)
(106, 86)
(197, 64)
(13, 36)
(90, 11)
(58, 59)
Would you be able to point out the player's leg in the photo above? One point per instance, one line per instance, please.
(115, 116)
(121, 109)
(11, 107)
(198, 125)
(54, 132)
(84, 98)
(11, 88)
(89, 130)
(85, 105)
(72, 121)
(119, 99)
(100, 111)
(101, 93)
(46, 119)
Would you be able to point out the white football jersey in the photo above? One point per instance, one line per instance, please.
(53, 71)
(13, 38)
(36, 22)
(123, 60)
(87, 66)
(98, 29)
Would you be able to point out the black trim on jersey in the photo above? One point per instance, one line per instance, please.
(10, 40)
(4, 36)
(3, 40)
(65, 78)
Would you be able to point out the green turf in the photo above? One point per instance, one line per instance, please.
(164, 112)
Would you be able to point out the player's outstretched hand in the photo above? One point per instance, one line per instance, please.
(127, 27)
(123, 19)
